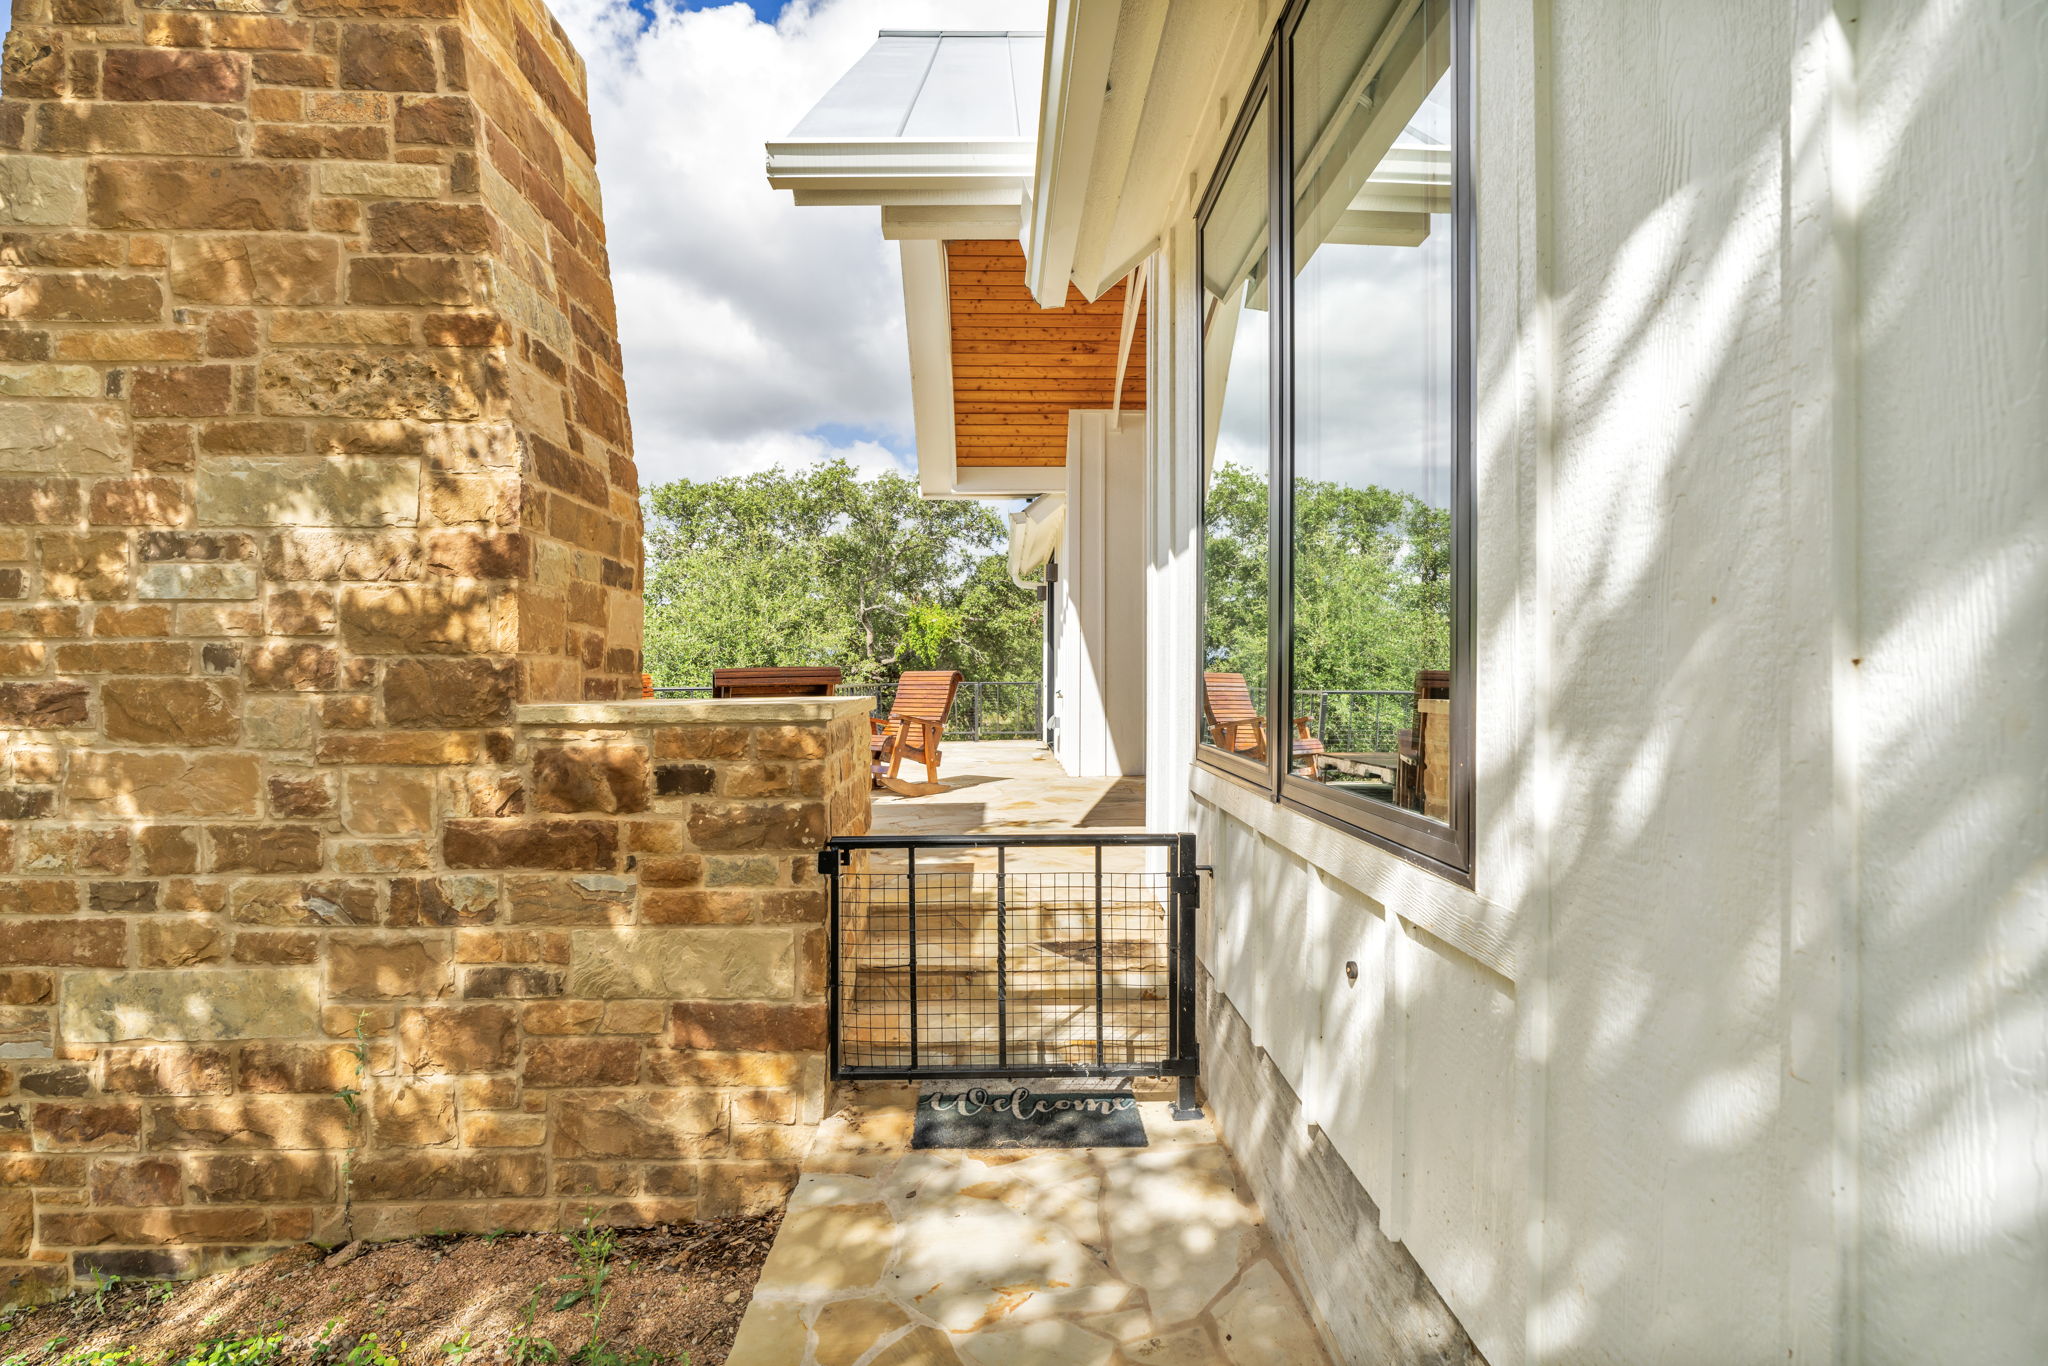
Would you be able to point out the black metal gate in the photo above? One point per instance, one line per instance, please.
(1029, 955)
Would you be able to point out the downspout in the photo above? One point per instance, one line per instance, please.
(1049, 678)
(1034, 538)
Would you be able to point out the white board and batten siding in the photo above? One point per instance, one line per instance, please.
(1737, 1050)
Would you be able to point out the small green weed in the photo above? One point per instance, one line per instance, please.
(593, 1248)
(262, 1349)
(102, 1282)
(352, 1096)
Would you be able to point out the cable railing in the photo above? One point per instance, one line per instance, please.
(1357, 720)
(1352, 720)
(984, 709)
(1346, 720)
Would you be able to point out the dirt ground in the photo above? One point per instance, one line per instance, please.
(677, 1291)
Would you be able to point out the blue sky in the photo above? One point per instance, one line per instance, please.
(764, 10)
(755, 333)
(848, 434)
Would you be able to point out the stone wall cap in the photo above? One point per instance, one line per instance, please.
(723, 711)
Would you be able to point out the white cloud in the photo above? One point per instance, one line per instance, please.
(763, 450)
(753, 331)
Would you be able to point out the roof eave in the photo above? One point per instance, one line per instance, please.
(1080, 38)
(900, 171)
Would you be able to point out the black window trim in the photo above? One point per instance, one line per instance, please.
(1441, 849)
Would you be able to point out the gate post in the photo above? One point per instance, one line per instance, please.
(1187, 898)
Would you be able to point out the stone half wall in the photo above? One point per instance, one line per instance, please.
(606, 1000)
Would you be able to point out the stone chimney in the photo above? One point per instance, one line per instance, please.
(314, 466)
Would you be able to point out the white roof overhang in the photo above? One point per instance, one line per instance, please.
(1132, 107)
(898, 171)
(1079, 41)
(925, 118)
(937, 130)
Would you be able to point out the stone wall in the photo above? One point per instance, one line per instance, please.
(314, 469)
(606, 1000)
(308, 335)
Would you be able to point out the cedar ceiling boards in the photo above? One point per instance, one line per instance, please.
(1018, 368)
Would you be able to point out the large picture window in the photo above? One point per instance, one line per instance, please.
(1237, 396)
(1337, 401)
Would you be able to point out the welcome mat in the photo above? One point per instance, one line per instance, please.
(1021, 1118)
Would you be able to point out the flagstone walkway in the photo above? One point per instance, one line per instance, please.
(1039, 1257)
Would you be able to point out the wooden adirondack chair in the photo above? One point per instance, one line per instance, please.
(790, 681)
(917, 721)
(1236, 727)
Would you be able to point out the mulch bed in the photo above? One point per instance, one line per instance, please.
(672, 1290)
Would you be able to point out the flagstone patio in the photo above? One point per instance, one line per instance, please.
(1042, 1257)
(1011, 786)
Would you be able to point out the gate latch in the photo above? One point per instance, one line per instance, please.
(1188, 887)
(831, 860)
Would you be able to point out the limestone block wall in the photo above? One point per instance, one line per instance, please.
(314, 469)
(310, 361)
(604, 999)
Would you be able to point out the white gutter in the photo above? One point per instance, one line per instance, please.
(1035, 535)
(902, 171)
(1079, 40)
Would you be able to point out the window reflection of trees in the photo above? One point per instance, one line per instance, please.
(1372, 454)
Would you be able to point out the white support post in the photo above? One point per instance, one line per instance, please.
(1099, 693)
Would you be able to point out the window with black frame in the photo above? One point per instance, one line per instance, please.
(1365, 441)
(1237, 448)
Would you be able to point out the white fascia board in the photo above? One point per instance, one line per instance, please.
(883, 171)
(950, 222)
(1007, 481)
(899, 198)
(1080, 37)
(928, 323)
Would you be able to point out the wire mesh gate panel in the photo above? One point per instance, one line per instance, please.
(1012, 956)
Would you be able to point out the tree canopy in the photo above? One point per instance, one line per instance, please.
(816, 565)
(1372, 582)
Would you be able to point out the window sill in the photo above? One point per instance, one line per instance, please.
(1438, 902)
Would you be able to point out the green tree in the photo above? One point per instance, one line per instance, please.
(1371, 587)
(1235, 585)
(1372, 583)
(816, 565)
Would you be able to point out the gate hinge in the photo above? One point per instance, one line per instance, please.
(831, 861)
(1188, 887)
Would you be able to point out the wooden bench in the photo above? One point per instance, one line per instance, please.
(785, 681)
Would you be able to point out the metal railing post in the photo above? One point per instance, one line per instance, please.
(1002, 960)
(1187, 897)
(910, 924)
(828, 864)
(1101, 1056)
